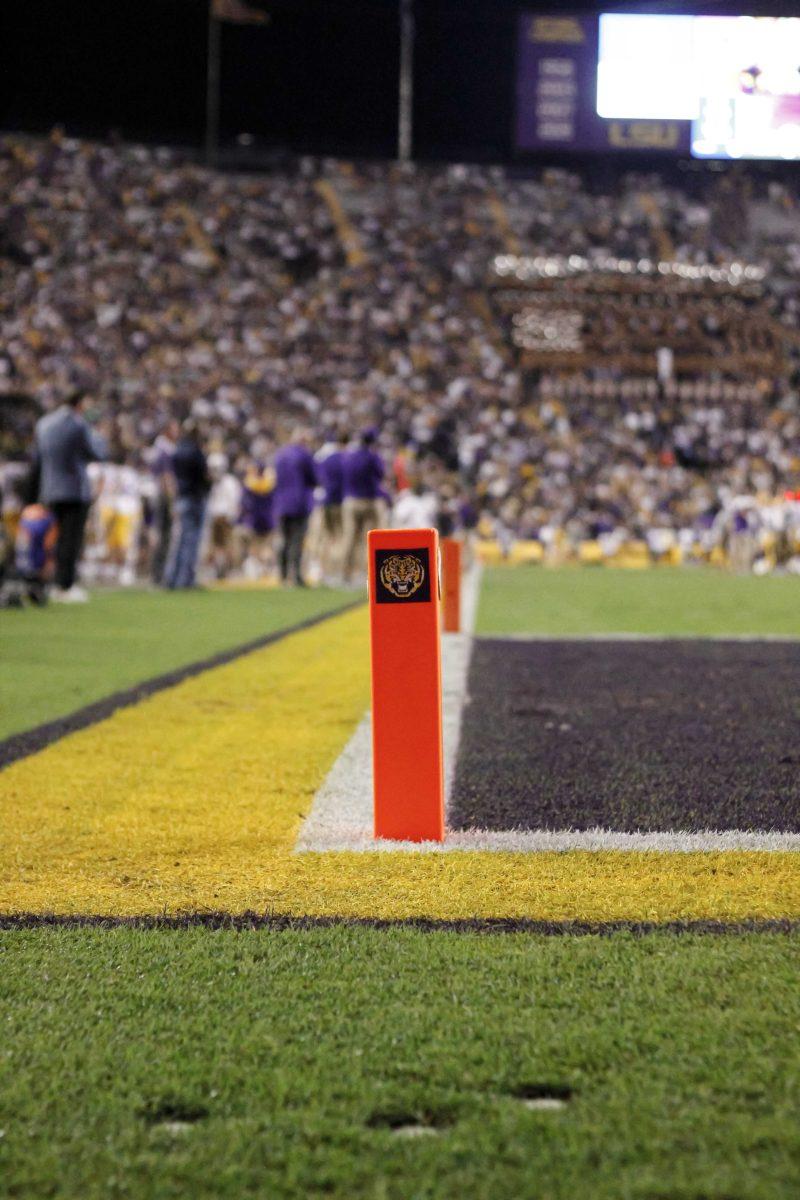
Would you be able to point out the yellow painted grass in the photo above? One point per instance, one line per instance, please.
(192, 801)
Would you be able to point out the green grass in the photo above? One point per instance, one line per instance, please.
(287, 1057)
(576, 600)
(189, 1063)
(59, 658)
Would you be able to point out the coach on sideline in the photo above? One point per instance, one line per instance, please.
(64, 446)
(293, 499)
(364, 496)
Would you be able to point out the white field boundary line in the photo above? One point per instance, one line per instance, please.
(470, 596)
(539, 841)
(341, 815)
(640, 637)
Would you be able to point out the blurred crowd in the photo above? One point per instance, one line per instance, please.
(340, 299)
(188, 519)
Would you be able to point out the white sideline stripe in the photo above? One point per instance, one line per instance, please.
(341, 816)
(470, 594)
(640, 637)
(525, 841)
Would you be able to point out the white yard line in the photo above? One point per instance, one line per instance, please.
(341, 816)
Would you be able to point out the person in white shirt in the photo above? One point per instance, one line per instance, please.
(415, 508)
(224, 505)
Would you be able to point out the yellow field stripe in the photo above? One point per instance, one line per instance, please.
(191, 801)
(184, 800)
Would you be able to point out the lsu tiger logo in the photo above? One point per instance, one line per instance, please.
(402, 575)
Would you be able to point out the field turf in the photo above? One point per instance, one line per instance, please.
(353, 1060)
(190, 1063)
(192, 800)
(60, 658)
(577, 601)
(617, 734)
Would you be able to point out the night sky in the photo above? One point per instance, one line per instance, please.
(320, 77)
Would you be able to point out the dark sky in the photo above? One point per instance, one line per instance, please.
(321, 76)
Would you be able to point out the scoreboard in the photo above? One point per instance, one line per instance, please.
(710, 87)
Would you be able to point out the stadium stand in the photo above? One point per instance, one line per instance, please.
(344, 295)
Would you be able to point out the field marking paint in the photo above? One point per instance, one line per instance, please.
(527, 841)
(470, 594)
(341, 817)
(27, 742)
(640, 637)
(138, 818)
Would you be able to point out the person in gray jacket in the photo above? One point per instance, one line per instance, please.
(65, 445)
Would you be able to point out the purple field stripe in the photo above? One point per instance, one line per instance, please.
(683, 739)
(284, 922)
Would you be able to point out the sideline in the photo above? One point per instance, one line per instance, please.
(31, 741)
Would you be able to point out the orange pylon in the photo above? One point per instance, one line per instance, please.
(451, 585)
(406, 684)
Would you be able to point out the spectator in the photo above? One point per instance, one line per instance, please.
(362, 472)
(330, 475)
(295, 479)
(192, 485)
(230, 297)
(257, 519)
(65, 445)
(161, 458)
(415, 508)
(224, 506)
(36, 539)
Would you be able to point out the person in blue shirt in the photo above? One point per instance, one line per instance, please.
(162, 508)
(292, 500)
(364, 496)
(192, 485)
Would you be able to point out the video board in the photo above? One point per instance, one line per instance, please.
(712, 87)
